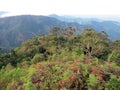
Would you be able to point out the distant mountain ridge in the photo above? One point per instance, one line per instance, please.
(86, 18)
(74, 19)
(14, 30)
(109, 26)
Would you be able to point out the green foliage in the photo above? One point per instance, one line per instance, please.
(37, 58)
(30, 86)
(62, 61)
(114, 83)
(79, 51)
(114, 56)
(92, 82)
(0, 48)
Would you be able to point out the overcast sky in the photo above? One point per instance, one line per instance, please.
(61, 7)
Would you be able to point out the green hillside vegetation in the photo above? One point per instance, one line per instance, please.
(63, 60)
(25, 27)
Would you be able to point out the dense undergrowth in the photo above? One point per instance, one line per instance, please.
(63, 60)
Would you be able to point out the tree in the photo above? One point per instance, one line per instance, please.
(0, 48)
(55, 31)
(68, 32)
(103, 35)
(91, 42)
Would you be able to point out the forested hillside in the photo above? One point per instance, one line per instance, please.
(63, 60)
(14, 30)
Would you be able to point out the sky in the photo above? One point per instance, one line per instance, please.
(61, 7)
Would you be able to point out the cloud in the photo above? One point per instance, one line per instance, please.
(62, 7)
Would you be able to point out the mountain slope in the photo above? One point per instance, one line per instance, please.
(14, 30)
(111, 27)
(62, 62)
(79, 20)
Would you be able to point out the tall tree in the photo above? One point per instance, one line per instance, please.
(91, 42)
